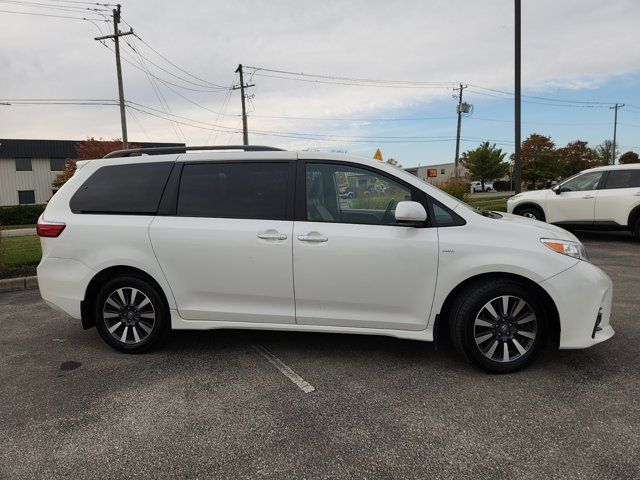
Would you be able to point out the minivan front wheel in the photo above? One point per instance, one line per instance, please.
(130, 314)
(498, 325)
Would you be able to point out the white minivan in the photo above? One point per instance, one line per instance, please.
(261, 238)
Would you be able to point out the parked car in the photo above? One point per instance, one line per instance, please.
(140, 245)
(347, 193)
(604, 198)
(476, 186)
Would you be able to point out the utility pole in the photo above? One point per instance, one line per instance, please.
(242, 86)
(116, 37)
(460, 109)
(615, 127)
(517, 154)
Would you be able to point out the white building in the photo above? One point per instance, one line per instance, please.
(27, 167)
(441, 172)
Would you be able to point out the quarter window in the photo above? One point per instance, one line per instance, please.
(234, 190)
(132, 189)
(580, 183)
(623, 179)
(344, 194)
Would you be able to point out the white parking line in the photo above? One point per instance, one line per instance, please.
(285, 370)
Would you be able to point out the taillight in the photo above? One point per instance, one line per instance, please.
(49, 229)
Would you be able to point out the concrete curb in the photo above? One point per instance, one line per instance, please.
(15, 284)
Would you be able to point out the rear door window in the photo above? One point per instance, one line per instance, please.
(245, 190)
(623, 179)
(132, 189)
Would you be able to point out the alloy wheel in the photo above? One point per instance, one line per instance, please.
(129, 315)
(505, 328)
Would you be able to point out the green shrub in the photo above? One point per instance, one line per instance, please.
(20, 214)
(456, 188)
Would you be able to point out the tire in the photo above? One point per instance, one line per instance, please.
(636, 229)
(480, 336)
(532, 212)
(130, 322)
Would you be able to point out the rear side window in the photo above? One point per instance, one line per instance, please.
(234, 190)
(133, 189)
(623, 179)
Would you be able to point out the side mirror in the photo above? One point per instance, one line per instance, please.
(410, 212)
(558, 190)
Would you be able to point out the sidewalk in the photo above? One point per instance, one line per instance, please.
(18, 231)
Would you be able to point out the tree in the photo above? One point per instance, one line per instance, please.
(485, 163)
(89, 149)
(603, 152)
(577, 156)
(540, 162)
(629, 157)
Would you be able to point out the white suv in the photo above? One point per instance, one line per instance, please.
(263, 239)
(604, 198)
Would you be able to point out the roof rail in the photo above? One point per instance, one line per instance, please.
(166, 150)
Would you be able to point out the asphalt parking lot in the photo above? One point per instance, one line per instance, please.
(216, 405)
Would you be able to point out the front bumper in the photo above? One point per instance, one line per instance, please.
(581, 293)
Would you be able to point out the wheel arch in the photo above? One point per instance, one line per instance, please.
(634, 215)
(87, 304)
(521, 206)
(443, 319)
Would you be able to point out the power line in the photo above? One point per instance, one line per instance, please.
(160, 97)
(176, 66)
(186, 80)
(54, 7)
(53, 16)
(134, 63)
(353, 79)
(85, 3)
(354, 84)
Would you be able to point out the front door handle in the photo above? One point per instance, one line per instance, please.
(589, 196)
(313, 237)
(272, 235)
(637, 194)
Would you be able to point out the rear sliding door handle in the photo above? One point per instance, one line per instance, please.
(589, 196)
(313, 238)
(272, 235)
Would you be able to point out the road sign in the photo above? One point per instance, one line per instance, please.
(378, 155)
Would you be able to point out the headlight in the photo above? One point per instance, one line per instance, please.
(566, 247)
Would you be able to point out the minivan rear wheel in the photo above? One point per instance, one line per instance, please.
(498, 325)
(130, 314)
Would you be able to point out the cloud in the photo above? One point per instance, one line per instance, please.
(567, 45)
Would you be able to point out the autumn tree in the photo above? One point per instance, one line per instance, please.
(603, 153)
(629, 157)
(89, 149)
(577, 156)
(539, 160)
(485, 163)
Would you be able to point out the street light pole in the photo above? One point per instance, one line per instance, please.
(517, 154)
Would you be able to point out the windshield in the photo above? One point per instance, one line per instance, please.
(479, 211)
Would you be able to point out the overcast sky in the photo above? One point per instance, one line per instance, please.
(579, 50)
